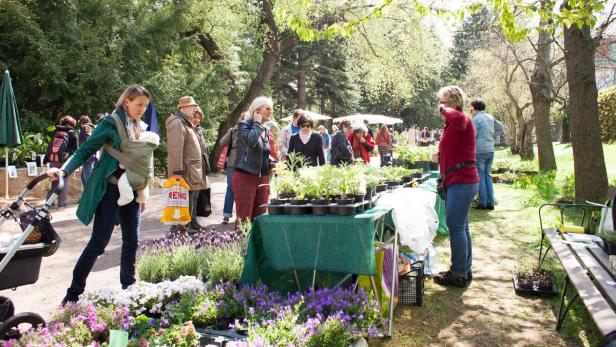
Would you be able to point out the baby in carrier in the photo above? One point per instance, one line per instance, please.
(136, 157)
(150, 140)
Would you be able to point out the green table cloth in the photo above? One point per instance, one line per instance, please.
(333, 245)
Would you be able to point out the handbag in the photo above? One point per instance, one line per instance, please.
(204, 205)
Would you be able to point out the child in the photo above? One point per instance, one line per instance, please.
(126, 191)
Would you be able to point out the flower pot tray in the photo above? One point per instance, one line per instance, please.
(534, 291)
(332, 208)
(219, 337)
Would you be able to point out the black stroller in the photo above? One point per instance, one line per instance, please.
(20, 261)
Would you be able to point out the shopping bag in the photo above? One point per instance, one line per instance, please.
(176, 209)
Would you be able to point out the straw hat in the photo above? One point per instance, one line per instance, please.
(187, 101)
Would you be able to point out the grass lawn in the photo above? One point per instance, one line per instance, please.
(488, 312)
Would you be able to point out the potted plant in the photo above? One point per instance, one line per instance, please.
(609, 241)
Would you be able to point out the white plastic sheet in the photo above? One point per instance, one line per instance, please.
(414, 216)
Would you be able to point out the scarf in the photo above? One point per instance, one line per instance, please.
(305, 137)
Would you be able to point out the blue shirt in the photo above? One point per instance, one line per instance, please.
(294, 129)
(485, 128)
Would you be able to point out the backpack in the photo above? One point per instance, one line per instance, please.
(57, 150)
(135, 156)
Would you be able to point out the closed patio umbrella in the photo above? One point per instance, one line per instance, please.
(10, 129)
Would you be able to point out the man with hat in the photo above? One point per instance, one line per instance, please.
(185, 157)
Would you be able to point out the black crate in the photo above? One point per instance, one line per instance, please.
(20, 271)
(411, 290)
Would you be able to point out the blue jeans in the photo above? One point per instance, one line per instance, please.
(457, 206)
(484, 167)
(105, 219)
(227, 210)
(86, 170)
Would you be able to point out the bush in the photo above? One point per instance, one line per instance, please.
(224, 264)
(607, 109)
(154, 267)
(186, 261)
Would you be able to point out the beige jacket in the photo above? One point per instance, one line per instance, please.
(185, 151)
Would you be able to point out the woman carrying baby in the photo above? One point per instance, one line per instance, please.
(99, 199)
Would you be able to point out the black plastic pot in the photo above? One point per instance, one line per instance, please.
(275, 209)
(357, 198)
(320, 202)
(297, 202)
(299, 210)
(369, 193)
(320, 210)
(342, 210)
(278, 201)
(391, 184)
(381, 188)
(345, 201)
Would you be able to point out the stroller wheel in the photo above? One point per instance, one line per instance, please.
(6, 308)
(12, 327)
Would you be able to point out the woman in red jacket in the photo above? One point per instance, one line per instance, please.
(456, 158)
(361, 142)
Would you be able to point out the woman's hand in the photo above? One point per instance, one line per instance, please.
(143, 206)
(257, 117)
(54, 173)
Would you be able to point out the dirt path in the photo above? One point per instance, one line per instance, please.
(488, 312)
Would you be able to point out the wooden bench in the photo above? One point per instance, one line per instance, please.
(586, 268)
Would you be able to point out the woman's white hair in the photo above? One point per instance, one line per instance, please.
(258, 103)
(360, 127)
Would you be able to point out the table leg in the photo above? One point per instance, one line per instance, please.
(375, 291)
(394, 277)
(299, 287)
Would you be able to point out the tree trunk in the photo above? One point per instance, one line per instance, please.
(271, 56)
(565, 133)
(525, 143)
(588, 160)
(540, 89)
(301, 78)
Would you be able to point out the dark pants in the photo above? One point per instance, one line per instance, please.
(250, 192)
(63, 196)
(86, 170)
(105, 219)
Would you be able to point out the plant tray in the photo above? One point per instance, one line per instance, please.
(534, 291)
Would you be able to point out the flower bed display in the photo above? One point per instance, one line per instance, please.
(210, 254)
(166, 314)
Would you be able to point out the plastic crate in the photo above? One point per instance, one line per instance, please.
(412, 286)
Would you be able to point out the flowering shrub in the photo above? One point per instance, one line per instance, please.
(162, 314)
(80, 324)
(152, 332)
(209, 254)
(144, 297)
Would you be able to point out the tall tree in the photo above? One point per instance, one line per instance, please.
(588, 160)
(469, 38)
(541, 90)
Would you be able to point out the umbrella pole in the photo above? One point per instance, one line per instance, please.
(6, 172)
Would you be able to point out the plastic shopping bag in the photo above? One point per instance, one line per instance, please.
(176, 210)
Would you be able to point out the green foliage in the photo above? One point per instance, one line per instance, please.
(153, 267)
(33, 142)
(607, 111)
(186, 261)
(332, 333)
(224, 264)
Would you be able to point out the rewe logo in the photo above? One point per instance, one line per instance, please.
(177, 195)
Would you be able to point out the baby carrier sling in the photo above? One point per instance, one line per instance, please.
(136, 157)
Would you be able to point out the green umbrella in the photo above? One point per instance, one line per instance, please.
(10, 129)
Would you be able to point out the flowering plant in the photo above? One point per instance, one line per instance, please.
(152, 332)
(147, 297)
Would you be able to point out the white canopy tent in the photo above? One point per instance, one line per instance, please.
(371, 118)
(312, 115)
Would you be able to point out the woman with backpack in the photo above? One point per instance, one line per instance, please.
(99, 200)
(64, 143)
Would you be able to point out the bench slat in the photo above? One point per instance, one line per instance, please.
(597, 272)
(601, 312)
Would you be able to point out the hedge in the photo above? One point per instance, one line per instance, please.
(607, 114)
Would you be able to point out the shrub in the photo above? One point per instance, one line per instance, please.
(607, 109)
(186, 261)
(154, 266)
(224, 264)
